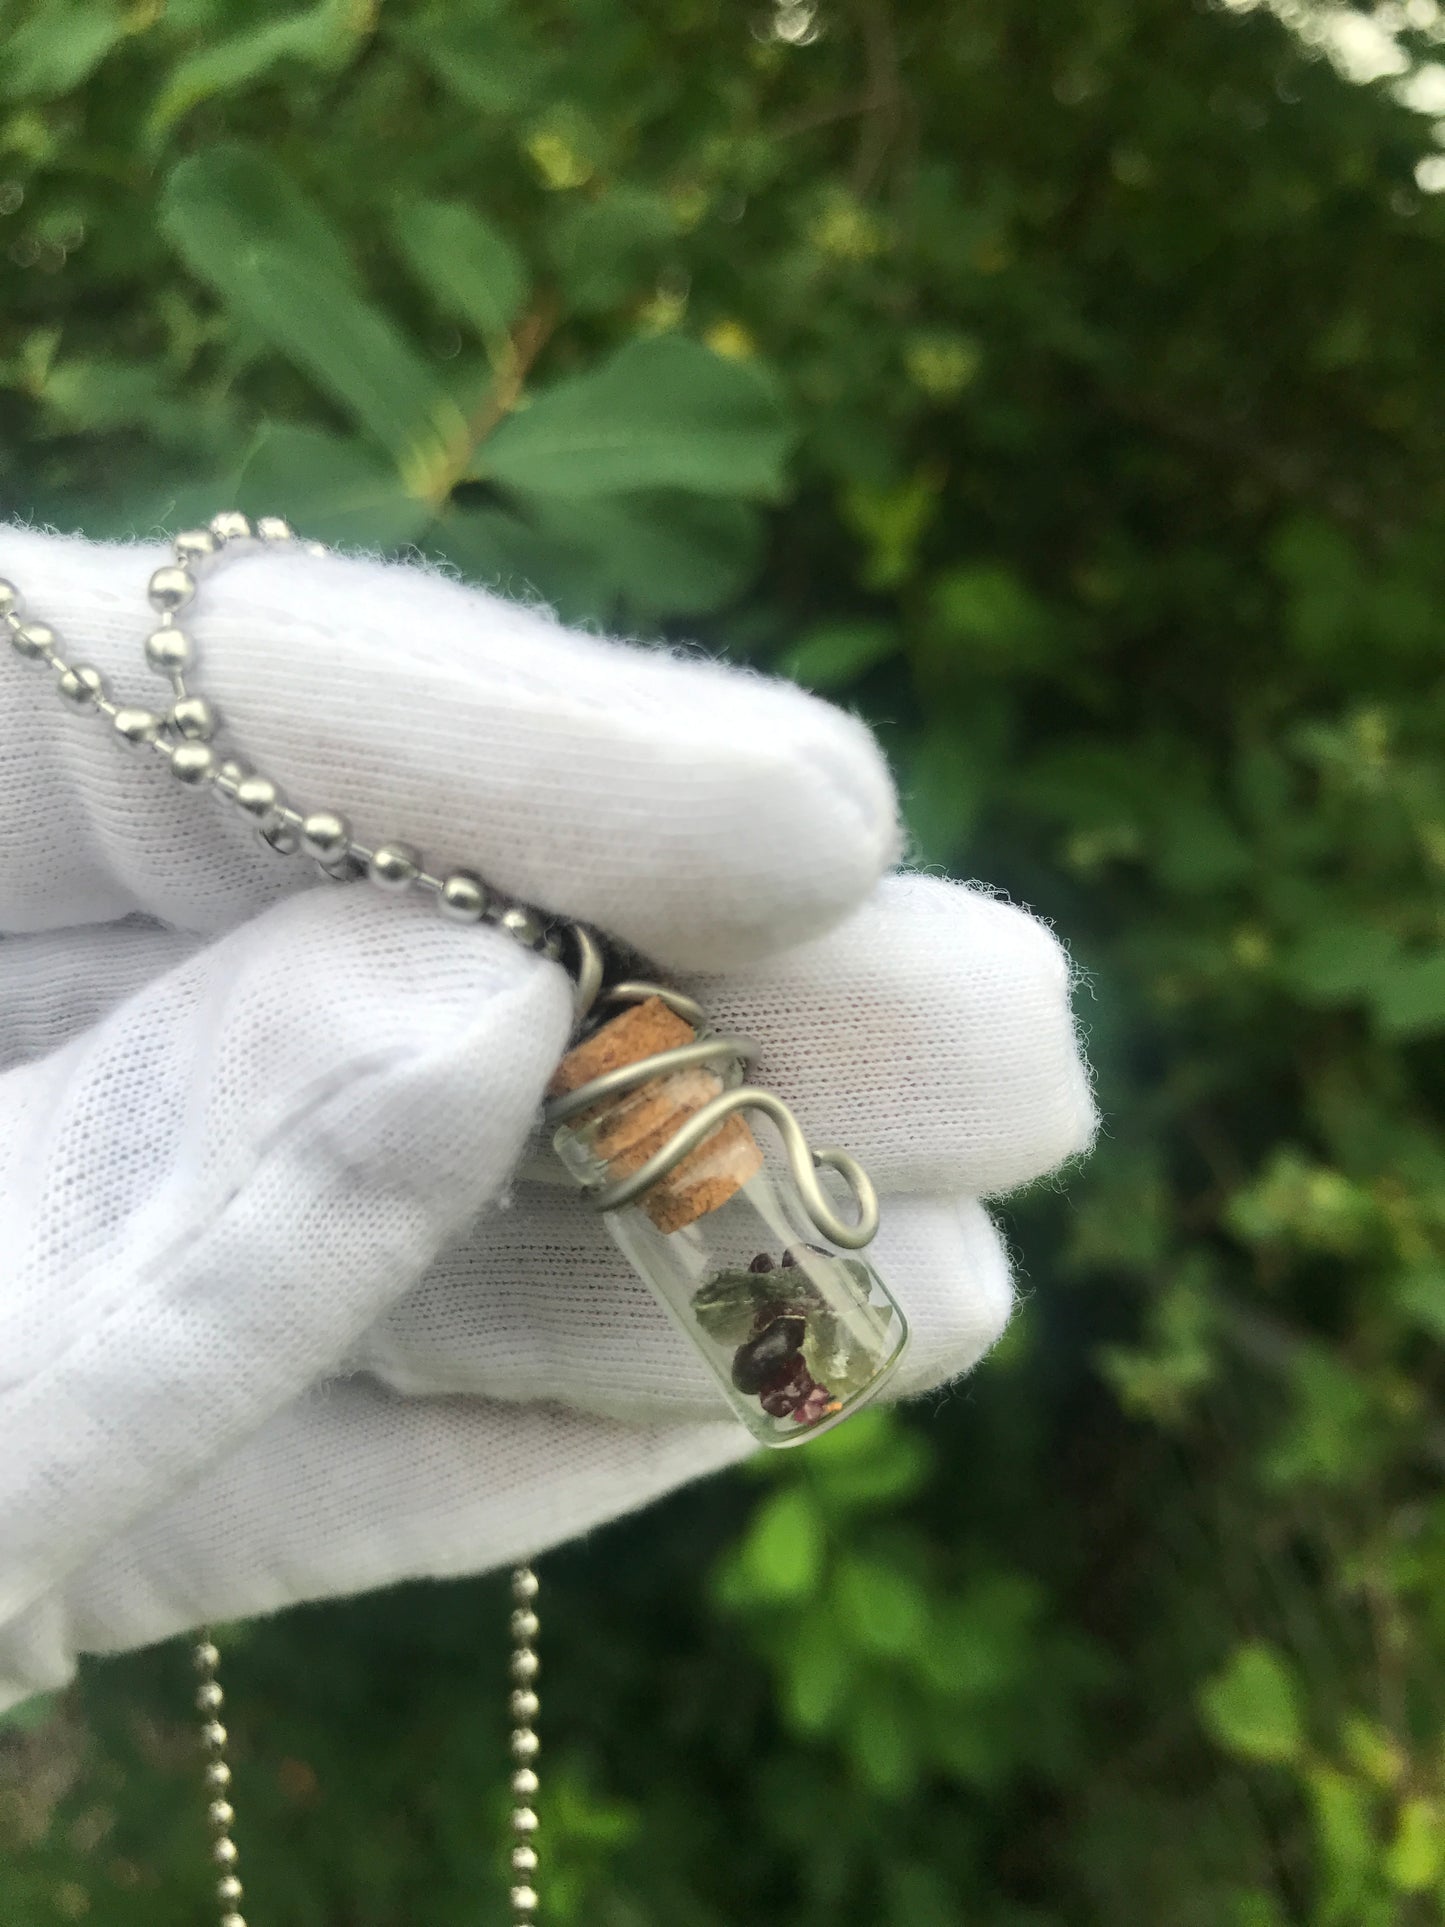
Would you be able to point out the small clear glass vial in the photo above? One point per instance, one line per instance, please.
(797, 1332)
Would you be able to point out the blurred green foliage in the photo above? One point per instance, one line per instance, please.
(1061, 387)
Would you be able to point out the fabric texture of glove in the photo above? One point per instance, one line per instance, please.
(284, 1312)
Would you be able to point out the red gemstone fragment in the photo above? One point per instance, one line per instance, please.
(819, 1403)
(759, 1359)
(787, 1390)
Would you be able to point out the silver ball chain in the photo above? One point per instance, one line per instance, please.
(210, 1699)
(525, 1744)
(186, 737)
(525, 1747)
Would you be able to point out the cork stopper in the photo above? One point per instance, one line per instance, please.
(626, 1131)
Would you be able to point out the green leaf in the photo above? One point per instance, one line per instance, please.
(661, 553)
(354, 354)
(983, 1638)
(781, 1556)
(870, 1460)
(1374, 1751)
(1323, 576)
(604, 250)
(499, 550)
(942, 784)
(992, 617)
(1311, 1205)
(892, 1470)
(468, 266)
(818, 1676)
(106, 393)
(883, 1610)
(892, 521)
(331, 490)
(961, 1744)
(57, 45)
(1253, 1707)
(1162, 1379)
(568, 144)
(663, 412)
(1416, 1860)
(1197, 848)
(1409, 997)
(1421, 1297)
(882, 1741)
(1348, 1849)
(144, 509)
(1340, 962)
(327, 37)
(643, 555)
(1333, 1432)
(838, 653)
(231, 201)
(479, 54)
(278, 267)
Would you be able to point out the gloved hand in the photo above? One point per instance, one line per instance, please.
(277, 1320)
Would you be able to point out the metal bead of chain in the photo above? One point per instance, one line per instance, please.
(525, 1744)
(221, 1814)
(184, 734)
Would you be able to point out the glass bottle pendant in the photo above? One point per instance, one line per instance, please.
(736, 1237)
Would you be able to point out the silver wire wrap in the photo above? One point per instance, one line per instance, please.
(804, 1162)
(588, 970)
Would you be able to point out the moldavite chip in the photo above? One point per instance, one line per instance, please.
(729, 1304)
(842, 1353)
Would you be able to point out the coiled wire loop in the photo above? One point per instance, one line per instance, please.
(803, 1161)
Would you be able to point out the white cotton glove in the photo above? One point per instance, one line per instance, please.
(276, 1319)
